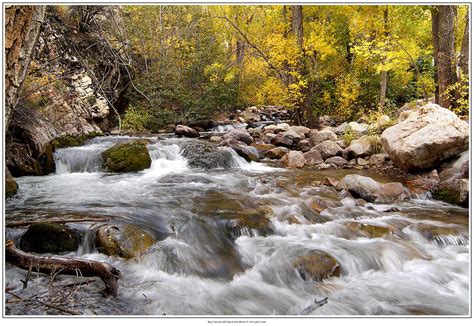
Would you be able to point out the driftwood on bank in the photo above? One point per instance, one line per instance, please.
(64, 265)
(16, 224)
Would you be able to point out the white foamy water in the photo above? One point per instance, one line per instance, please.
(200, 266)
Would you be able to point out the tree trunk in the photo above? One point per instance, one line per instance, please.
(464, 59)
(22, 28)
(384, 73)
(64, 265)
(240, 51)
(446, 54)
(435, 35)
(297, 24)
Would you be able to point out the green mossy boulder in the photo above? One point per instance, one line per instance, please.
(45, 237)
(316, 266)
(11, 187)
(455, 192)
(126, 157)
(73, 140)
(126, 240)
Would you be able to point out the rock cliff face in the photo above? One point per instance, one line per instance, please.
(69, 90)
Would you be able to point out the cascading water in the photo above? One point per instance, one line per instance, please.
(228, 239)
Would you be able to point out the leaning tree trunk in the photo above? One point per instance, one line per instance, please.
(446, 54)
(22, 28)
(464, 59)
(384, 73)
(435, 36)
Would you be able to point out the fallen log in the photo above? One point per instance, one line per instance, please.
(64, 265)
(16, 224)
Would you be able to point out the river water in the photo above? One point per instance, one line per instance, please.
(198, 267)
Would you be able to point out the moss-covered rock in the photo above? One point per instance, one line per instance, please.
(455, 192)
(126, 157)
(45, 237)
(316, 266)
(11, 187)
(73, 140)
(126, 240)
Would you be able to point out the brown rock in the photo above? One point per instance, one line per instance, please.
(294, 159)
(313, 158)
(317, 266)
(186, 131)
(277, 152)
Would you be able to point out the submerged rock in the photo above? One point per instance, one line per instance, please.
(369, 230)
(203, 155)
(186, 131)
(426, 137)
(317, 266)
(252, 222)
(126, 157)
(371, 190)
(45, 237)
(125, 240)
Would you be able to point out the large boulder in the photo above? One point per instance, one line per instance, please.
(313, 158)
(203, 155)
(186, 131)
(328, 149)
(303, 145)
(339, 130)
(303, 131)
(281, 140)
(294, 159)
(127, 157)
(124, 240)
(371, 190)
(317, 137)
(249, 153)
(364, 146)
(277, 152)
(294, 136)
(241, 135)
(281, 127)
(358, 129)
(317, 266)
(45, 237)
(426, 137)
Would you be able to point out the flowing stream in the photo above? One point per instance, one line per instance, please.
(198, 267)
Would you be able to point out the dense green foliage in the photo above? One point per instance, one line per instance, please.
(191, 62)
